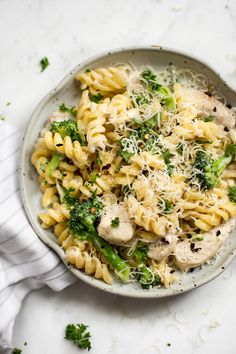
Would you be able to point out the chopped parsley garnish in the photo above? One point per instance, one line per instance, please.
(16, 351)
(167, 156)
(115, 222)
(44, 63)
(232, 194)
(8, 103)
(73, 111)
(150, 80)
(2, 117)
(197, 237)
(79, 335)
(208, 119)
(96, 98)
(140, 99)
(88, 70)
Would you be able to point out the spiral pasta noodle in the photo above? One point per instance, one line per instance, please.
(103, 80)
(72, 150)
(90, 264)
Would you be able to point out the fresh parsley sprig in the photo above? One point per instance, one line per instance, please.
(73, 111)
(115, 222)
(79, 335)
(44, 62)
(16, 351)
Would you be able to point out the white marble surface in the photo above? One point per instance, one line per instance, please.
(202, 321)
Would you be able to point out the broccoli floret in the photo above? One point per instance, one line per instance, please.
(167, 99)
(81, 223)
(68, 199)
(150, 82)
(68, 128)
(146, 277)
(209, 170)
(232, 194)
(53, 164)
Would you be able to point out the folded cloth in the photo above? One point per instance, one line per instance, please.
(26, 263)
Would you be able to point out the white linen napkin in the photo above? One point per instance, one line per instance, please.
(26, 263)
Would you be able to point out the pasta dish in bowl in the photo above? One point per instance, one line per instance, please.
(138, 177)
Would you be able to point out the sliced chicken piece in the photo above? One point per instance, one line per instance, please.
(192, 254)
(117, 234)
(163, 248)
(205, 105)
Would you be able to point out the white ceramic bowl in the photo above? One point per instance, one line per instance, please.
(68, 91)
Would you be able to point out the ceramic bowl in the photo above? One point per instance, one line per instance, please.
(69, 91)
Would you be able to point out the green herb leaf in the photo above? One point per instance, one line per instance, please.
(208, 119)
(180, 149)
(92, 178)
(202, 141)
(126, 155)
(149, 80)
(140, 99)
(197, 237)
(232, 194)
(168, 207)
(16, 351)
(88, 70)
(152, 122)
(2, 117)
(73, 111)
(44, 63)
(79, 335)
(96, 98)
(167, 156)
(98, 161)
(115, 222)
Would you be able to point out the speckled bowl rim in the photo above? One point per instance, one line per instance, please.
(33, 218)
